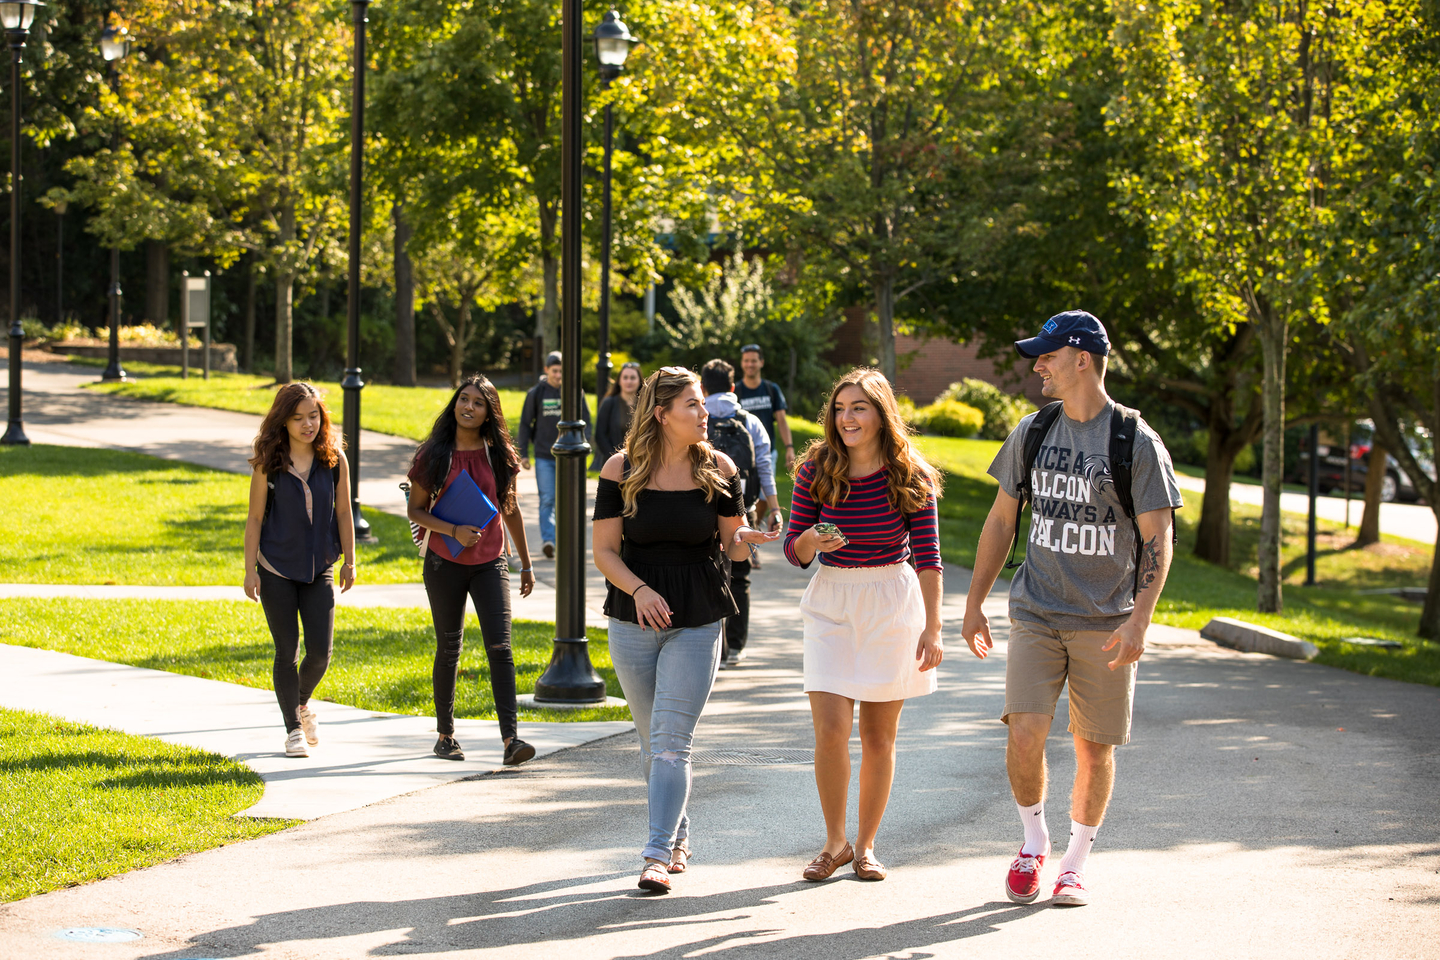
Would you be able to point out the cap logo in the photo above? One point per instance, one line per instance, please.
(1075, 340)
(1049, 327)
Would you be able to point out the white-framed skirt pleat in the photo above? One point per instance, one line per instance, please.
(862, 628)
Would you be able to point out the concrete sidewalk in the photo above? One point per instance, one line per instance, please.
(1266, 809)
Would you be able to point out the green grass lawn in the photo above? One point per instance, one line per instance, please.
(80, 803)
(400, 411)
(381, 660)
(78, 515)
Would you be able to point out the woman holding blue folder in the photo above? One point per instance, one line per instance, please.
(466, 472)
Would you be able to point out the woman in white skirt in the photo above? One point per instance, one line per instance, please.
(864, 502)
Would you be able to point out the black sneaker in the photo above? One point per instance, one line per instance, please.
(518, 752)
(548, 549)
(448, 748)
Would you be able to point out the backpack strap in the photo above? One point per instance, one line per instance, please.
(1034, 438)
(1124, 428)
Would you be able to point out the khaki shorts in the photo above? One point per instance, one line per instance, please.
(1038, 662)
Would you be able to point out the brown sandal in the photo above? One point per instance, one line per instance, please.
(822, 866)
(654, 878)
(680, 857)
(868, 868)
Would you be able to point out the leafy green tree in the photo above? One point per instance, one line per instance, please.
(1236, 103)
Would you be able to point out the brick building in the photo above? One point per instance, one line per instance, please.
(929, 365)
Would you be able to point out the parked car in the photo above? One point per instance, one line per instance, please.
(1396, 485)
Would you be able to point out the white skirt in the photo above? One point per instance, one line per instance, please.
(862, 628)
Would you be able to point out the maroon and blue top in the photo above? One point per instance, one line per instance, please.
(879, 535)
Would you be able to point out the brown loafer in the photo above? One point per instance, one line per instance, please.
(822, 866)
(868, 868)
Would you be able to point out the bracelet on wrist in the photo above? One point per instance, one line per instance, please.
(637, 590)
(526, 569)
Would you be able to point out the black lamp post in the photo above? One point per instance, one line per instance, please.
(16, 17)
(353, 384)
(114, 45)
(612, 46)
(570, 679)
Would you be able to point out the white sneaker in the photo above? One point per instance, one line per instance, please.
(295, 744)
(310, 724)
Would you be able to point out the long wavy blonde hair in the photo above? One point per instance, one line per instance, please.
(911, 479)
(645, 440)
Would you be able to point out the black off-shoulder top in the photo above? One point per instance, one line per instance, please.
(673, 544)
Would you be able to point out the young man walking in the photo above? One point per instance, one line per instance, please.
(1083, 598)
(764, 399)
(539, 422)
(740, 436)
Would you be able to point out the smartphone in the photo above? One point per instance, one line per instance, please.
(828, 530)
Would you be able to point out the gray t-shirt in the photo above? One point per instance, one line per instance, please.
(1079, 569)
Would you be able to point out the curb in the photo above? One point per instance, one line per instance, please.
(1239, 635)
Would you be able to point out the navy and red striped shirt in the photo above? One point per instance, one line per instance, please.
(877, 533)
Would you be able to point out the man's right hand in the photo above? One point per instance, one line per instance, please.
(524, 463)
(976, 628)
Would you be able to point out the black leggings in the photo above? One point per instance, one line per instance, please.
(737, 626)
(314, 604)
(447, 584)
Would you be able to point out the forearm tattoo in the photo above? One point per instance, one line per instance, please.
(1149, 562)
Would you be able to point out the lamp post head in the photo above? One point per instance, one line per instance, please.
(114, 43)
(17, 15)
(612, 45)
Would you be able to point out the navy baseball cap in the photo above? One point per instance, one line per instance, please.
(1073, 328)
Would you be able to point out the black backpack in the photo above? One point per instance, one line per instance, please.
(1124, 423)
(730, 436)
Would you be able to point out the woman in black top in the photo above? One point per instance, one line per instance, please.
(665, 513)
(613, 418)
(293, 536)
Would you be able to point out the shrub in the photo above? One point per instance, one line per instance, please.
(33, 329)
(1002, 411)
(907, 409)
(949, 418)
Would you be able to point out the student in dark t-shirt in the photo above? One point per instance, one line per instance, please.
(764, 399)
(665, 511)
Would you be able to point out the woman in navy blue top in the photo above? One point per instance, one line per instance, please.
(294, 533)
(872, 623)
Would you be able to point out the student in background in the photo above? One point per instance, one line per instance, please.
(540, 422)
(872, 622)
(471, 436)
(293, 536)
(764, 399)
(613, 417)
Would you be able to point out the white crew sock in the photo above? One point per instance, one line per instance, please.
(1082, 838)
(1037, 835)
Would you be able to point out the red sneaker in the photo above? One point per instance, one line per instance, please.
(1070, 891)
(1022, 883)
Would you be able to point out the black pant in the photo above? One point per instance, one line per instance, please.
(737, 626)
(314, 604)
(447, 584)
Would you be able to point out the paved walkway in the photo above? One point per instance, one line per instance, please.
(1266, 808)
(1412, 521)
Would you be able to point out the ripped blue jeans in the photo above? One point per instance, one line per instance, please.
(666, 676)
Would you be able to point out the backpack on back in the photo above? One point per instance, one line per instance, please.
(730, 436)
(1124, 425)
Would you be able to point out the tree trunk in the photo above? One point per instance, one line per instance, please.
(1274, 330)
(284, 319)
(460, 341)
(157, 283)
(247, 354)
(1212, 536)
(1374, 481)
(549, 326)
(285, 296)
(885, 314)
(404, 303)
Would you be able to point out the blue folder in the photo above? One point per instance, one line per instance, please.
(463, 503)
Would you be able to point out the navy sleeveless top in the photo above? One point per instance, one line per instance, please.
(297, 548)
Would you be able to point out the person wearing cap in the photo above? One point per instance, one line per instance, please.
(1079, 608)
(540, 423)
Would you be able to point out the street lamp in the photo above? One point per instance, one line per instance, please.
(114, 45)
(15, 17)
(570, 678)
(612, 46)
(353, 384)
